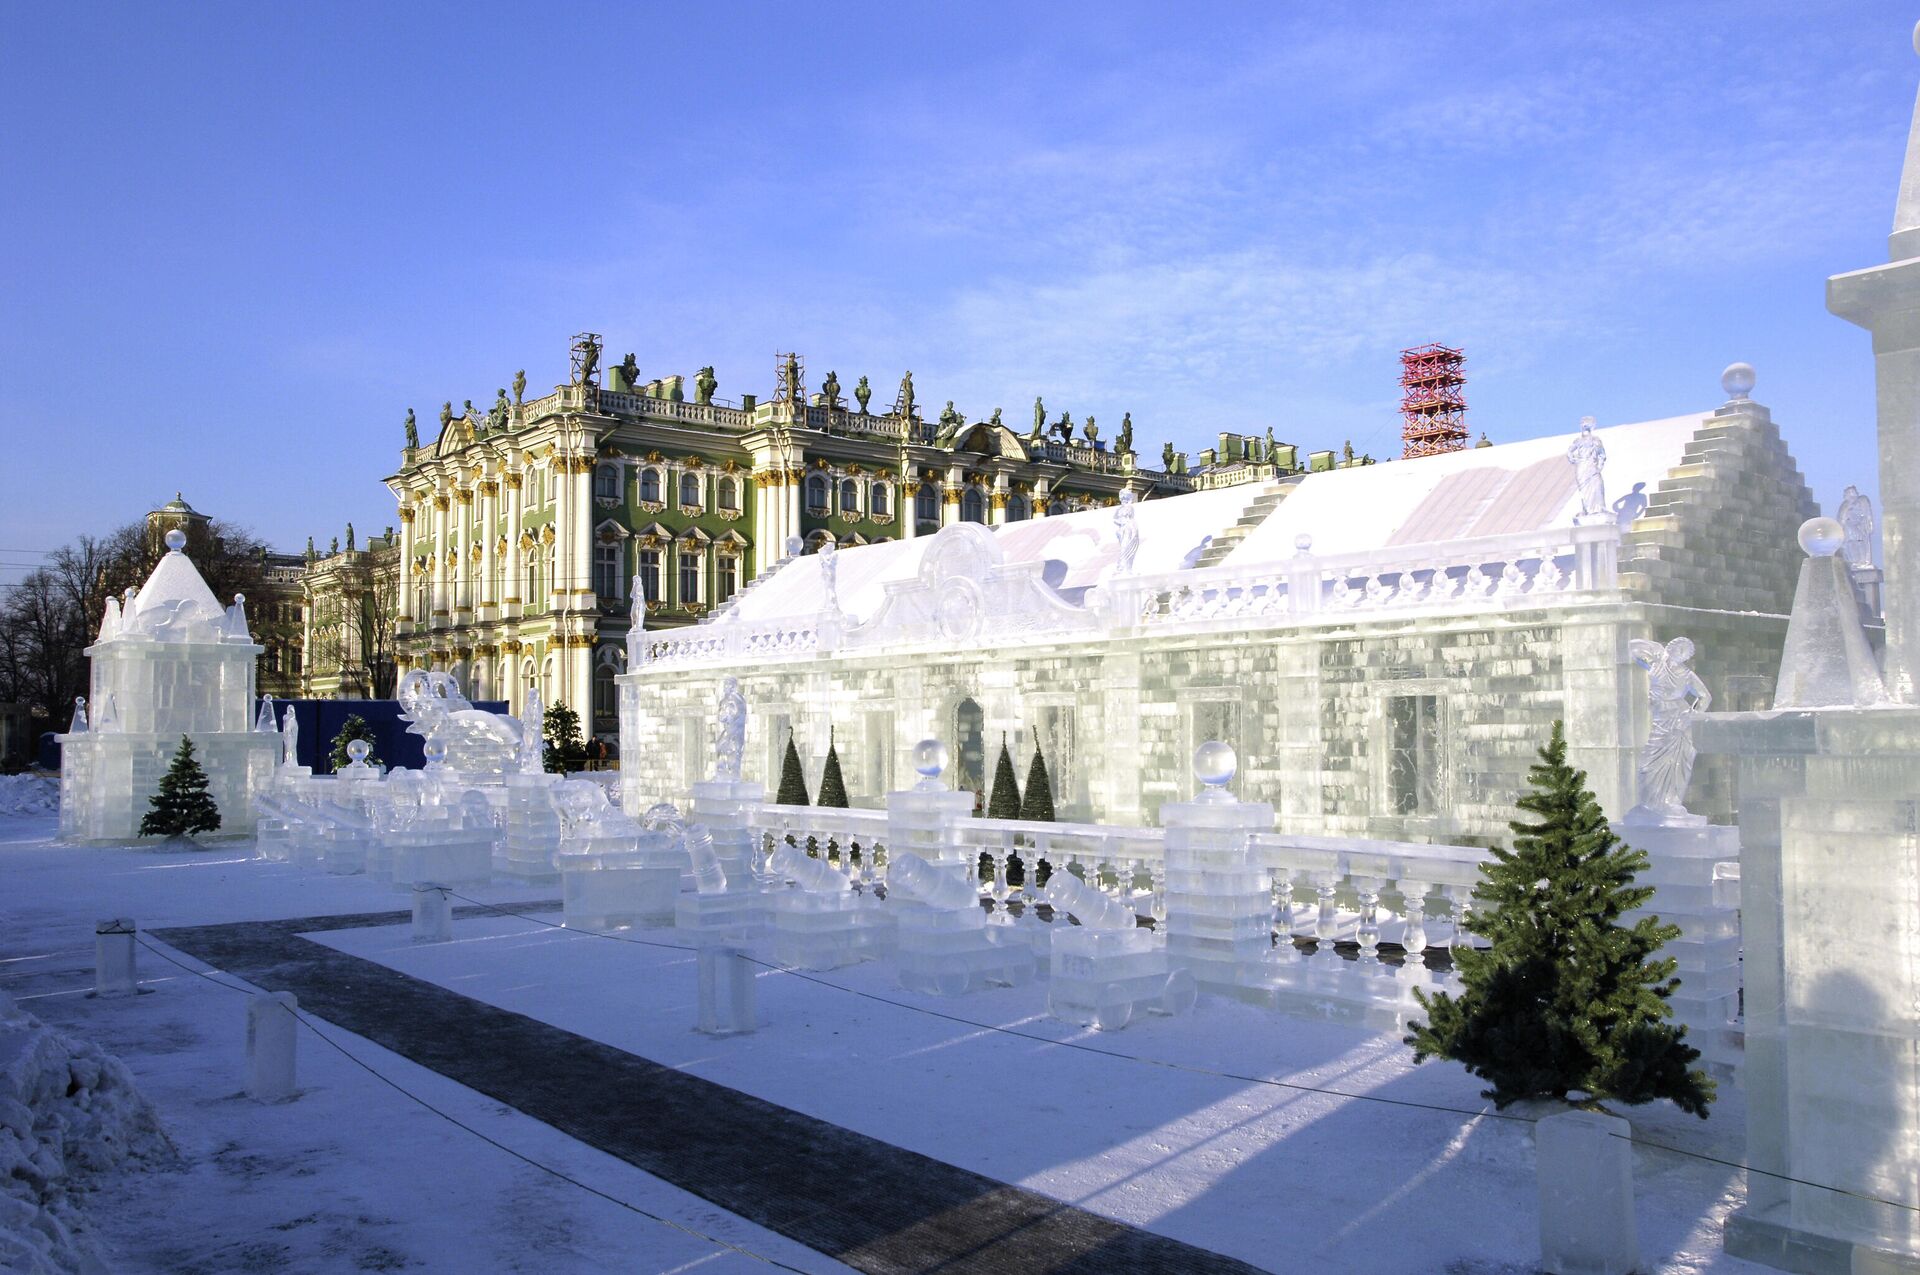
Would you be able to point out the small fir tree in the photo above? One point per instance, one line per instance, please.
(1567, 999)
(1005, 801)
(355, 727)
(833, 789)
(793, 784)
(182, 807)
(1037, 803)
(560, 727)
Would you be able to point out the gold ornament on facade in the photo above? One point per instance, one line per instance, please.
(546, 534)
(440, 500)
(406, 513)
(998, 500)
(526, 540)
(488, 487)
(512, 480)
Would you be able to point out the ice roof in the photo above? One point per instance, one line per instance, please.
(1485, 491)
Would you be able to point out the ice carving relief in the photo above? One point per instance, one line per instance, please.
(966, 591)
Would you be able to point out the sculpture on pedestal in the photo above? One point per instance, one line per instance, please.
(1856, 520)
(1039, 419)
(497, 418)
(905, 401)
(1588, 455)
(1666, 763)
(729, 731)
(1125, 442)
(830, 390)
(446, 414)
(630, 372)
(863, 392)
(413, 430)
(1166, 456)
(1127, 530)
(704, 384)
(519, 386)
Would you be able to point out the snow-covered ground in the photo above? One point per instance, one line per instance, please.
(353, 1176)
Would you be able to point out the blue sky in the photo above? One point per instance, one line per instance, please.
(243, 239)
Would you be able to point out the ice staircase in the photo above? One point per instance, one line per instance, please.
(1265, 501)
(733, 600)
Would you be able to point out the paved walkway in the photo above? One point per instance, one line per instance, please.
(874, 1206)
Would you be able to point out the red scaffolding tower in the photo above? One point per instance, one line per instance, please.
(1433, 403)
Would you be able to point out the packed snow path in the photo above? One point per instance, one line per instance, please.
(874, 1206)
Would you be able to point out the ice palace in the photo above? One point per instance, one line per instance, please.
(1275, 775)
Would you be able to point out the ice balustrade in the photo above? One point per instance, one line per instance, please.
(1562, 564)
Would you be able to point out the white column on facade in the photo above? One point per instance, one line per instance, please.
(440, 549)
(487, 599)
(580, 655)
(997, 500)
(406, 591)
(950, 498)
(516, 560)
(463, 562)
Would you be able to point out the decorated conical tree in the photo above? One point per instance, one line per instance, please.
(833, 789)
(182, 806)
(355, 727)
(793, 784)
(1567, 1000)
(1037, 802)
(1004, 803)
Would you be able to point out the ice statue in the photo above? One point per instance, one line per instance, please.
(729, 731)
(1127, 529)
(532, 733)
(1588, 455)
(1856, 520)
(829, 576)
(290, 737)
(1666, 763)
(79, 726)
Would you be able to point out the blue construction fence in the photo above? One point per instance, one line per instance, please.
(321, 719)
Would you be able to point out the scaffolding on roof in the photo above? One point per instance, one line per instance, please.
(1433, 404)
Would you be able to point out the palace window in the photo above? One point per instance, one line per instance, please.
(727, 578)
(606, 482)
(650, 573)
(877, 500)
(535, 577)
(690, 491)
(1413, 754)
(973, 506)
(650, 486)
(729, 494)
(849, 497)
(689, 576)
(1018, 510)
(926, 504)
(606, 571)
(606, 695)
(816, 495)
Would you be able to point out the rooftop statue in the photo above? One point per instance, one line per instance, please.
(589, 362)
(1125, 440)
(863, 392)
(1090, 432)
(413, 430)
(1039, 419)
(1588, 455)
(830, 390)
(906, 397)
(630, 371)
(467, 415)
(1064, 428)
(1666, 763)
(446, 414)
(1271, 449)
(729, 731)
(502, 410)
(1166, 456)
(1346, 452)
(790, 377)
(519, 386)
(704, 384)
(310, 554)
(1126, 529)
(949, 417)
(349, 537)
(333, 549)
(1856, 520)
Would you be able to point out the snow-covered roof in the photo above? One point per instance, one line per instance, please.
(1487, 491)
(1484, 491)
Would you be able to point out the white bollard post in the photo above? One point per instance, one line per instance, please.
(726, 992)
(432, 914)
(113, 957)
(1586, 1195)
(271, 1028)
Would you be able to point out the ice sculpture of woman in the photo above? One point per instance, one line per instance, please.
(1588, 456)
(1666, 763)
(1127, 529)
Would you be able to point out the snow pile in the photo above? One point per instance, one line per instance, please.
(29, 795)
(67, 1110)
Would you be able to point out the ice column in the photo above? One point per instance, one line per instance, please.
(271, 1027)
(113, 958)
(1219, 909)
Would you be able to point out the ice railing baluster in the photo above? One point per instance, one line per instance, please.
(852, 839)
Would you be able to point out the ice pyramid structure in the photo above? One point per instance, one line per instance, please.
(1826, 662)
(172, 662)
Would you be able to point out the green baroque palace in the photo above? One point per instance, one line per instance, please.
(526, 529)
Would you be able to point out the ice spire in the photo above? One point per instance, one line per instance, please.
(1904, 242)
(110, 619)
(264, 723)
(237, 620)
(109, 715)
(79, 726)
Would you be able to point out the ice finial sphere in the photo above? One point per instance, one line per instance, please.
(1214, 763)
(1737, 380)
(357, 750)
(1821, 537)
(176, 540)
(793, 546)
(436, 751)
(1916, 37)
(1303, 542)
(929, 758)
